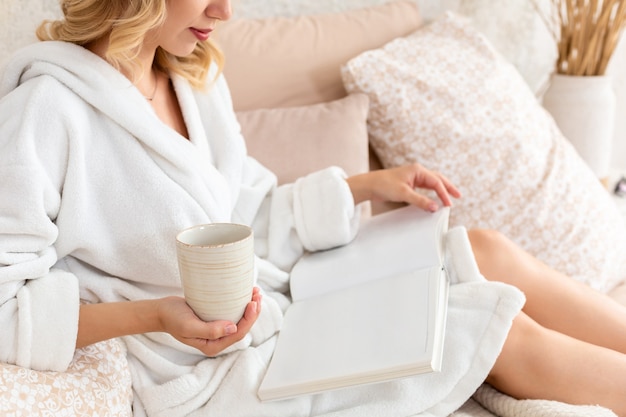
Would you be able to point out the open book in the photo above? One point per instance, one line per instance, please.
(369, 311)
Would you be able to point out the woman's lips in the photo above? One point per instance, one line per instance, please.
(201, 34)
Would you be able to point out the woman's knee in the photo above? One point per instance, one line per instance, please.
(486, 244)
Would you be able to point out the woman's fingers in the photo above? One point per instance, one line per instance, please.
(212, 337)
(451, 188)
(212, 347)
(440, 184)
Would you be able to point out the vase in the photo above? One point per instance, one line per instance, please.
(583, 108)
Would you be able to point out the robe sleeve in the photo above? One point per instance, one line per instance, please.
(316, 212)
(39, 304)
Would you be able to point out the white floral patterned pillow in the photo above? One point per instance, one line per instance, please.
(97, 383)
(445, 98)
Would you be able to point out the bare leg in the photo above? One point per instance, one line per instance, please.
(568, 344)
(553, 299)
(539, 363)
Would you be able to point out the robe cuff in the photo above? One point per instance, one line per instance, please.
(325, 214)
(48, 310)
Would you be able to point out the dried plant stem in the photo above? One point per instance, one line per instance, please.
(586, 31)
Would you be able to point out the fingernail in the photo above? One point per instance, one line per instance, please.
(254, 306)
(230, 329)
(432, 207)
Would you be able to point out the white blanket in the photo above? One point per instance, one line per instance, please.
(95, 188)
(505, 406)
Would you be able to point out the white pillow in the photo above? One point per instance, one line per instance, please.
(445, 98)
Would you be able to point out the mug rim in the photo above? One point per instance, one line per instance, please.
(244, 227)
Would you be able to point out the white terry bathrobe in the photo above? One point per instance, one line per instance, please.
(94, 188)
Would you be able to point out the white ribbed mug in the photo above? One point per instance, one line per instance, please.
(216, 265)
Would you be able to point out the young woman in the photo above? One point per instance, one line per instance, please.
(118, 132)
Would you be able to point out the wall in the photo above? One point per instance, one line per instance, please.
(18, 20)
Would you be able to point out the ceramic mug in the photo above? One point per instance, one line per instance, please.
(216, 265)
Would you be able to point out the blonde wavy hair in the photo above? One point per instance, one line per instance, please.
(127, 22)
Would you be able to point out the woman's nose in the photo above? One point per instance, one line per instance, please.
(219, 9)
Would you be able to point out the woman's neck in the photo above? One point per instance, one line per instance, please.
(146, 79)
(154, 85)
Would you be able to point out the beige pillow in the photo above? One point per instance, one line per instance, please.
(445, 98)
(294, 61)
(296, 141)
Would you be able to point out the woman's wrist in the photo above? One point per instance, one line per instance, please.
(360, 187)
(102, 321)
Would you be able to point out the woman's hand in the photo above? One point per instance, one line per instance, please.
(179, 320)
(399, 184)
